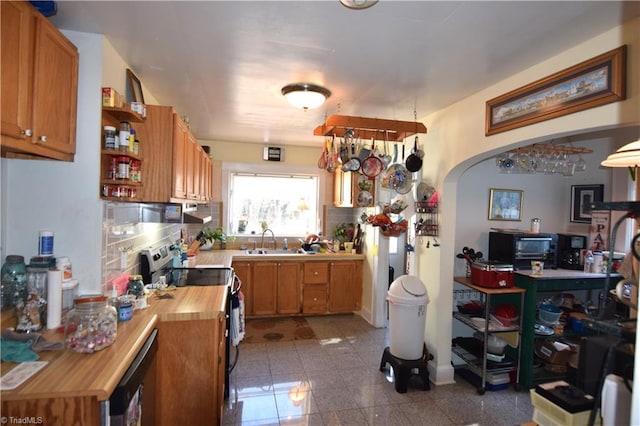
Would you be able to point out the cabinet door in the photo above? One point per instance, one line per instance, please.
(243, 271)
(180, 145)
(342, 286)
(55, 88)
(342, 183)
(16, 69)
(314, 299)
(289, 282)
(264, 285)
(191, 166)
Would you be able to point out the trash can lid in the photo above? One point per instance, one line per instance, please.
(408, 289)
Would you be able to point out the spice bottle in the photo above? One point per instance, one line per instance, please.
(125, 127)
(123, 167)
(132, 139)
(109, 137)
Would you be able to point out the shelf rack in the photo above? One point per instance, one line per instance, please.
(368, 128)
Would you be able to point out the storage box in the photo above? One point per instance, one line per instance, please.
(488, 273)
(566, 396)
(546, 413)
(111, 98)
(549, 353)
(495, 382)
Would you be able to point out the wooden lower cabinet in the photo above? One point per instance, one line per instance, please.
(345, 286)
(190, 375)
(308, 287)
(289, 281)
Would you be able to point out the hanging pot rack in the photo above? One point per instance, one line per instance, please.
(368, 128)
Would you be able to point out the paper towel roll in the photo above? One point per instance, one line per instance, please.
(54, 298)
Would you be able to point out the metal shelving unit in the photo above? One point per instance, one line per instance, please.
(479, 365)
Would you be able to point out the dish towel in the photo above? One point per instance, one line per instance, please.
(237, 318)
(14, 351)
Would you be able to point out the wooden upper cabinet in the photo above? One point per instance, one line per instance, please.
(171, 167)
(39, 86)
(179, 157)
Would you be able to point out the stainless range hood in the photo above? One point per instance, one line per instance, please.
(194, 213)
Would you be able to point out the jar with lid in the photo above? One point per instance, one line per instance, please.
(136, 286)
(123, 167)
(92, 325)
(535, 225)
(14, 280)
(64, 264)
(125, 128)
(109, 137)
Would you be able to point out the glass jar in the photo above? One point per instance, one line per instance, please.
(14, 280)
(136, 286)
(31, 309)
(92, 325)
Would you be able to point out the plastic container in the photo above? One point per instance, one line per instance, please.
(546, 413)
(92, 325)
(14, 280)
(549, 313)
(64, 264)
(45, 243)
(109, 137)
(408, 301)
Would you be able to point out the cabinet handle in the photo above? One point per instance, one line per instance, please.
(42, 138)
(315, 299)
(315, 273)
(27, 132)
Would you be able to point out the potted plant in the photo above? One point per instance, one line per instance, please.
(210, 236)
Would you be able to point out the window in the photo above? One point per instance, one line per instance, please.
(285, 203)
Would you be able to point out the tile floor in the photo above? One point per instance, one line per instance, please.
(336, 380)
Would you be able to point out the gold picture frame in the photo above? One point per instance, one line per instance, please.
(597, 81)
(505, 204)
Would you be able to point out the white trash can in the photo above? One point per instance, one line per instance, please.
(408, 300)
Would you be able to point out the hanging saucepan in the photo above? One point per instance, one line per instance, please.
(414, 162)
(371, 167)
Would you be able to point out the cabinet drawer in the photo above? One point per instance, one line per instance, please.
(314, 299)
(316, 272)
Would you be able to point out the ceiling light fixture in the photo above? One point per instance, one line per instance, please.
(358, 4)
(626, 156)
(305, 95)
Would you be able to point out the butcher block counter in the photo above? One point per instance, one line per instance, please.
(70, 389)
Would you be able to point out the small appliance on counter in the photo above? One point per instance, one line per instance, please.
(491, 274)
(570, 249)
(520, 248)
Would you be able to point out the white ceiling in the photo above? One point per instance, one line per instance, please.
(223, 63)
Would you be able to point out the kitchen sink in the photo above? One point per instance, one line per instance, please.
(274, 252)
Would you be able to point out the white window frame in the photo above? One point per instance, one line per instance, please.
(228, 169)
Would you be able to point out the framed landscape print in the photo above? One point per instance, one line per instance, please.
(505, 204)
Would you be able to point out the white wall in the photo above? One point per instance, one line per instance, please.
(456, 141)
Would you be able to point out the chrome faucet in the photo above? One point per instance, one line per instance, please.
(273, 239)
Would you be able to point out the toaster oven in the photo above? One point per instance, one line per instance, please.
(519, 249)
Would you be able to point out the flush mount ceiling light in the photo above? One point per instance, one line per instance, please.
(358, 4)
(305, 95)
(626, 156)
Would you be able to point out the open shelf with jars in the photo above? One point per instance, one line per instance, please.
(120, 170)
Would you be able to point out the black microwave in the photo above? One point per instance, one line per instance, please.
(519, 249)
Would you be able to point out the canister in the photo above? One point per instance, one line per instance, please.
(487, 273)
(45, 243)
(535, 225)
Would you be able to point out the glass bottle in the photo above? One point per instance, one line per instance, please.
(92, 325)
(31, 309)
(14, 280)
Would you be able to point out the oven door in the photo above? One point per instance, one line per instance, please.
(533, 248)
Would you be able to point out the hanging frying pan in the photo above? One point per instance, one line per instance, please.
(371, 167)
(414, 162)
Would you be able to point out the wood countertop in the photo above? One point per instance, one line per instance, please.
(71, 374)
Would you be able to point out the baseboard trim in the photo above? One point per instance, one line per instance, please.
(440, 375)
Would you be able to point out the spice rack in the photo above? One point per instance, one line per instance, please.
(120, 177)
(427, 225)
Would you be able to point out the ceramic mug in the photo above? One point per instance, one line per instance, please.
(624, 291)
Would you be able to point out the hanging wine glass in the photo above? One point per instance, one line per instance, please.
(581, 165)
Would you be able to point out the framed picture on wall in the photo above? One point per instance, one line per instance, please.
(505, 204)
(581, 198)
